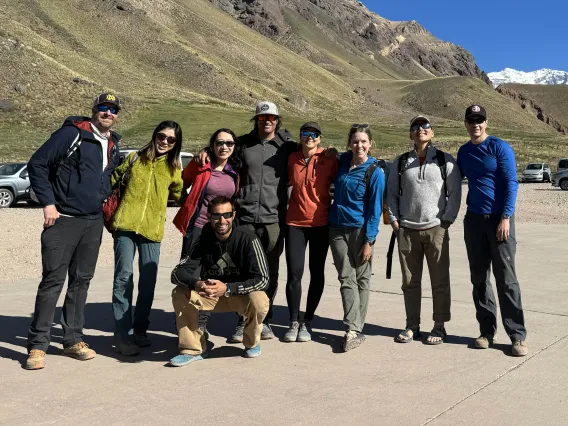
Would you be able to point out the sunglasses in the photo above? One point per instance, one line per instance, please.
(106, 108)
(267, 117)
(479, 120)
(359, 126)
(228, 144)
(424, 126)
(308, 134)
(217, 216)
(163, 137)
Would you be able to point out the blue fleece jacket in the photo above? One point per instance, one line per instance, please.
(351, 207)
(491, 172)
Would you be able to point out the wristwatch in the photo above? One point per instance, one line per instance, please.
(228, 291)
(371, 243)
(505, 216)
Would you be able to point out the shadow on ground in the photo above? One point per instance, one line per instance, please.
(162, 332)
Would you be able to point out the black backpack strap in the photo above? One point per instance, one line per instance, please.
(73, 148)
(368, 174)
(402, 166)
(390, 253)
(441, 157)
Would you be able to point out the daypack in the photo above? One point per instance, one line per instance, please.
(368, 173)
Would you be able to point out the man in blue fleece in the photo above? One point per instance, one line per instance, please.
(489, 230)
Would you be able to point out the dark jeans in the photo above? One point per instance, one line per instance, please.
(483, 252)
(271, 236)
(71, 246)
(297, 239)
(125, 245)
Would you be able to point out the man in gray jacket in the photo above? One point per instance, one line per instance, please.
(424, 196)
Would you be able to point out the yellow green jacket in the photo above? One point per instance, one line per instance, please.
(143, 205)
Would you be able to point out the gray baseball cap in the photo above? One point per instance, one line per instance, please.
(265, 107)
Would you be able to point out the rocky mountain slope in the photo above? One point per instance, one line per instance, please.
(312, 27)
(542, 76)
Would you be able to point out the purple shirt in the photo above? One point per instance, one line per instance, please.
(220, 183)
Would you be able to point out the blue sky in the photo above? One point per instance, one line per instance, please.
(524, 35)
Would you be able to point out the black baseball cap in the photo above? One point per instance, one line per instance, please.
(475, 111)
(107, 98)
(311, 125)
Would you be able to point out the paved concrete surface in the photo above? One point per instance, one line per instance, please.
(380, 383)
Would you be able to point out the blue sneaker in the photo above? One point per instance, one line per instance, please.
(252, 352)
(184, 359)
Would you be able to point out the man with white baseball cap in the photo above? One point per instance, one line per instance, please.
(489, 231)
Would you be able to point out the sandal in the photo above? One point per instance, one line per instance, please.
(406, 336)
(438, 331)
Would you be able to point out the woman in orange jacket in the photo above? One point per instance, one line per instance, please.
(310, 175)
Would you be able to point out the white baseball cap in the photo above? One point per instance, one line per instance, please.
(266, 108)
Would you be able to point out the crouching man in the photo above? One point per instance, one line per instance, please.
(234, 275)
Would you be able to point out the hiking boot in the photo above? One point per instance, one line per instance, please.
(184, 359)
(127, 348)
(36, 360)
(519, 348)
(267, 333)
(252, 352)
(352, 340)
(80, 351)
(141, 340)
(304, 334)
(292, 333)
(483, 342)
(237, 336)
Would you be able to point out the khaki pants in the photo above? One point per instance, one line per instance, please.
(188, 303)
(413, 246)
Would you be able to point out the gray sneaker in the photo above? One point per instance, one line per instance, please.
(292, 333)
(267, 333)
(237, 336)
(352, 340)
(304, 334)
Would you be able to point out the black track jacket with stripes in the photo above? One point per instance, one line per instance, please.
(239, 262)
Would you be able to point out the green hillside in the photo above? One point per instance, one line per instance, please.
(186, 60)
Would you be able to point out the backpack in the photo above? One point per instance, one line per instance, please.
(368, 174)
(403, 165)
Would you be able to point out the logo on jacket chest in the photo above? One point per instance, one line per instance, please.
(223, 267)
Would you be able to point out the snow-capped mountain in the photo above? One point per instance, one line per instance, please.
(543, 76)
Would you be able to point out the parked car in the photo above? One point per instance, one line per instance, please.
(537, 172)
(560, 179)
(14, 182)
(562, 164)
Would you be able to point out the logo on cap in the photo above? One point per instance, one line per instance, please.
(264, 107)
(475, 108)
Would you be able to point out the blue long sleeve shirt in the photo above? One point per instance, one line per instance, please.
(491, 171)
(353, 208)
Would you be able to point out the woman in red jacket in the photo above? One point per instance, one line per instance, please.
(310, 173)
(218, 177)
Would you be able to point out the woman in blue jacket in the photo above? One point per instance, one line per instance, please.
(354, 221)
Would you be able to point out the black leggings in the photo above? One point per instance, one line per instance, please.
(297, 240)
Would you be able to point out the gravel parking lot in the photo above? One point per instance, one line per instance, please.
(22, 225)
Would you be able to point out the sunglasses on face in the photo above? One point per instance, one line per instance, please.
(267, 117)
(228, 144)
(359, 126)
(218, 216)
(479, 120)
(163, 137)
(308, 134)
(106, 108)
(424, 126)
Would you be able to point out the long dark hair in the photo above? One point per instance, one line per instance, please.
(235, 159)
(173, 160)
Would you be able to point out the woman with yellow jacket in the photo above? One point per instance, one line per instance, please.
(138, 223)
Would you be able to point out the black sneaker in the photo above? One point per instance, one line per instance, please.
(352, 340)
(237, 336)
